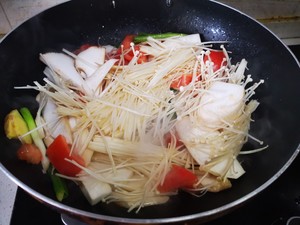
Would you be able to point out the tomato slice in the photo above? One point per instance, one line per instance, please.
(168, 138)
(126, 43)
(30, 153)
(82, 48)
(58, 151)
(217, 58)
(184, 80)
(177, 177)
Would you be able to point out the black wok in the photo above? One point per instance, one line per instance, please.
(69, 25)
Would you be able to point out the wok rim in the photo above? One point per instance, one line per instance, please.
(201, 215)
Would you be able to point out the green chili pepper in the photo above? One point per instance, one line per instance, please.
(143, 36)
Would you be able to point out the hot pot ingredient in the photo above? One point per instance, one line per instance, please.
(15, 127)
(29, 153)
(30, 121)
(59, 185)
(58, 151)
(178, 177)
(135, 124)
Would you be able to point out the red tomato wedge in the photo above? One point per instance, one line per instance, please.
(168, 138)
(58, 151)
(126, 43)
(142, 57)
(177, 177)
(184, 80)
(30, 153)
(217, 58)
(82, 48)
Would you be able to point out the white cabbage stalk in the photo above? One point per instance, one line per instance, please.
(94, 190)
(94, 80)
(50, 74)
(221, 102)
(236, 170)
(89, 60)
(87, 156)
(227, 166)
(98, 186)
(213, 184)
(63, 65)
(56, 125)
(201, 152)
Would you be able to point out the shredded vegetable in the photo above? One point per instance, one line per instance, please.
(155, 103)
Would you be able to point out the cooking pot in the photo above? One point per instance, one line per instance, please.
(77, 22)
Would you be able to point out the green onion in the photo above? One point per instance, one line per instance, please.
(26, 114)
(59, 186)
(143, 36)
(58, 183)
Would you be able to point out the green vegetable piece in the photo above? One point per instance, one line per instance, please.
(28, 119)
(59, 186)
(32, 127)
(143, 37)
(25, 112)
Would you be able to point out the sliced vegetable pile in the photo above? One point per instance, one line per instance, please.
(136, 123)
(20, 124)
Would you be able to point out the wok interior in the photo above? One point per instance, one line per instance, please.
(107, 22)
